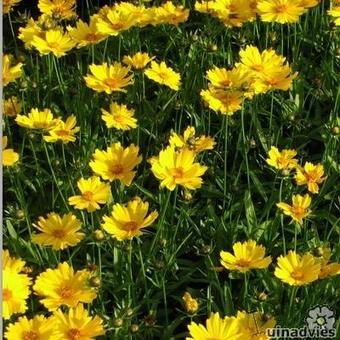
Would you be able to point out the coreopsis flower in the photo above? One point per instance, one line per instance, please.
(225, 102)
(127, 220)
(10, 73)
(328, 268)
(85, 34)
(119, 117)
(8, 4)
(164, 75)
(254, 326)
(190, 303)
(191, 142)
(216, 328)
(77, 324)
(281, 11)
(15, 286)
(11, 107)
(116, 163)
(31, 30)
(138, 61)
(9, 156)
(93, 193)
(299, 208)
(247, 256)
(335, 14)
(54, 41)
(109, 78)
(116, 20)
(168, 13)
(310, 175)
(59, 232)
(174, 168)
(297, 270)
(37, 120)
(63, 131)
(282, 160)
(59, 9)
(39, 327)
(64, 287)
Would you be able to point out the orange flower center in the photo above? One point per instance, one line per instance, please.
(118, 118)
(129, 226)
(226, 82)
(243, 263)
(112, 83)
(281, 8)
(30, 335)
(257, 68)
(91, 37)
(178, 173)
(117, 169)
(53, 45)
(298, 211)
(59, 233)
(297, 274)
(66, 292)
(87, 196)
(73, 334)
(163, 75)
(6, 294)
(117, 26)
(62, 133)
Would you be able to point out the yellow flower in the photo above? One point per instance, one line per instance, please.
(38, 120)
(58, 232)
(247, 256)
(77, 324)
(168, 13)
(190, 141)
(282, 160)
(309, 3)
(127, 220)
(174, 168)
(37, 328)
(299, 208)
(190, 303)
(8, 4)
(164, 75)
(119, 117)
(12, 107)
(253, 326)
(63, 286)
(9, 156)
(31, 30)
(93, 193)
(10, 73)
(138, 61)
(116, 163)
(86, 34)
(281, 11)
(310, 175)
(225, 102)
(63, 131)
(327, 268)
(216, 328)
(116, 20)
(60, 9)
(54, 41)
(108, 78)
(335, 13)
(15, 286)
(297, 270)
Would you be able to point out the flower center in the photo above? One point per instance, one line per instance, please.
(30, 335)
(53, 45)
(297, 274)
(91, 37)
(243, 263)
(178, 173)
(281, 8)
(87, 196)
(59, 233)
(66, 292)
(6, 294)
(62, 133)
(73, 334)
(257, 68)
(129, 226)
(111, 83)
(117, 169)
(118, 118)
(298, 211)
(226, 83)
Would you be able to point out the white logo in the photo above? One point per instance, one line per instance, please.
(320, 317)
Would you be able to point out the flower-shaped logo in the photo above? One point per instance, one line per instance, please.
(320, 317)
